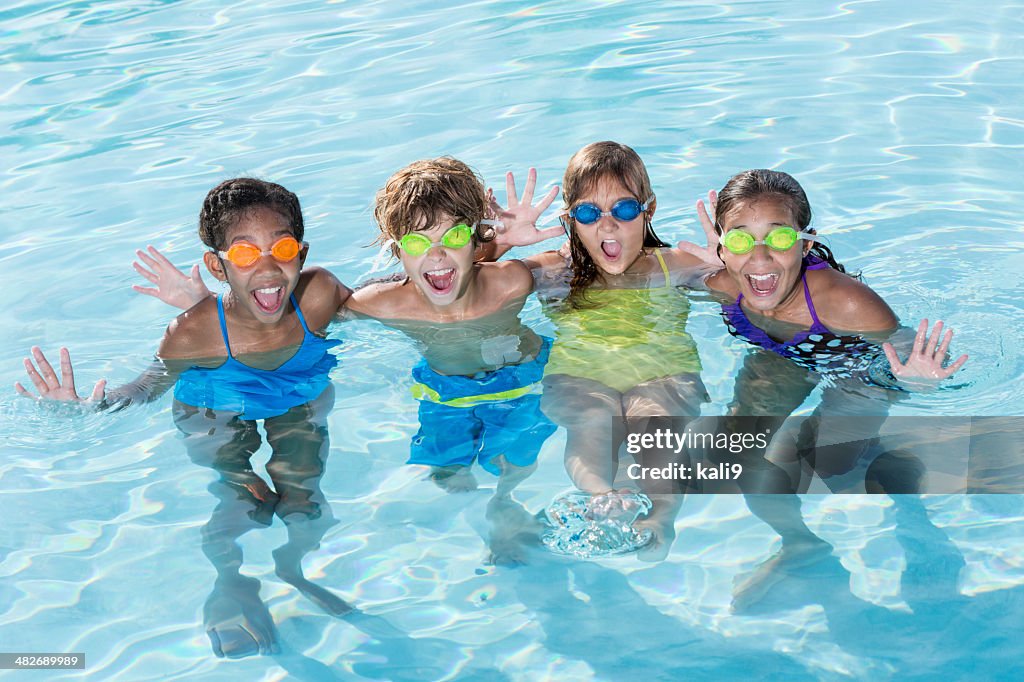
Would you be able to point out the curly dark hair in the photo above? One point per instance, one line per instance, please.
(225, 204)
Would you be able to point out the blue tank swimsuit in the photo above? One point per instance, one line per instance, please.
(817, 349)
(260, 393)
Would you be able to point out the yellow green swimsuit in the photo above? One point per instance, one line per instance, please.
(628, 337)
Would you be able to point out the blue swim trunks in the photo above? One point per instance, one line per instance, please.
(463, 418)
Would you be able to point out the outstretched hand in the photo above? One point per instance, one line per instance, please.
(49, 387)
(519, 218)
(709, 253)
(926, 363)
(173, 287)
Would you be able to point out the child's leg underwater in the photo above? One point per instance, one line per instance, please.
(666, 403)
(585, 408)
(301, 443)
(236, 620)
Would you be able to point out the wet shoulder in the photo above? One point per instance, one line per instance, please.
(505, 280)
(320, 296)
(195, 333)
(844, 303)
(383, 298)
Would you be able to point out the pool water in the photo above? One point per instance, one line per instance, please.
(903, 121)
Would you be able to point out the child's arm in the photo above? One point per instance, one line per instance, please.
(148, 386)
(173, 287)
(519, 219)
(186, 343)
(850, 305)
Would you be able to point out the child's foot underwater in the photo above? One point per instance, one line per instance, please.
(289, 570)
(513, 532)
(800, 561)
(237, 621)
(454, 479)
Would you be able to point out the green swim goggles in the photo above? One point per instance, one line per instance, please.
(779, 239)
(455, 237)
(417, 244)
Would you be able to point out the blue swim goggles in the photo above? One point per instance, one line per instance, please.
(624, 211)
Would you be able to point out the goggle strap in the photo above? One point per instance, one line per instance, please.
(382, 256)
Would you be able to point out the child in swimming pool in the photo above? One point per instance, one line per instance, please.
(621, 351)
(810, 323)
(252, 354)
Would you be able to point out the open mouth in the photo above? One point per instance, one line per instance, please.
(763, 285)
(269, 300)
(441, 281)
(611, 248)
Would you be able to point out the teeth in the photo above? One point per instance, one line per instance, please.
(272, 290)
(761, 278)
(609, 241)
(440, 273)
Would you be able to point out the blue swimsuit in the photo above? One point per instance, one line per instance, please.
(260, 393)
(817, 349)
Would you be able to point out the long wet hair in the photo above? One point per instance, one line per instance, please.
(228, 201)
(419, 195)
(586, 169)
(752, 184)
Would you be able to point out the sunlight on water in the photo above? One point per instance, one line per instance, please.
(903, 124)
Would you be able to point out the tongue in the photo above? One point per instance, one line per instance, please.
(763, 286)
(268, 302)
(611, 249)
(440, 282)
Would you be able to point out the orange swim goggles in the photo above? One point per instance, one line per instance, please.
(244, 254)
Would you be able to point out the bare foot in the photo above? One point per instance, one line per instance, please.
(237, 621)
(453, 479)
(289, 570)
(751, 587)
(513, 531)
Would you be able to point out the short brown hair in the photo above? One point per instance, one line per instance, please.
(423, 193)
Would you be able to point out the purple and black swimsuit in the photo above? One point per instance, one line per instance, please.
(818, 349)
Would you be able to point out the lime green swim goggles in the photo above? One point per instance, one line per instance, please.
(779, 239)
(455, 237)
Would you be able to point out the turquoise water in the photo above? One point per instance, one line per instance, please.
(903, 121)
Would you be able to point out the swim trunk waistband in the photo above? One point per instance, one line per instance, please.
(505, 383)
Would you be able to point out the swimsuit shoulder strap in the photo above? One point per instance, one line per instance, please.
(816, 325)
(223, 325)
(295, 304)
(664, 268)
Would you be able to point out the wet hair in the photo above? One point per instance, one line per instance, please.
(424, 193)
(588, 167)
(752, 184)
(231, 199)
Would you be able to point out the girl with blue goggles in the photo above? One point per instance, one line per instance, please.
(624, 211)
